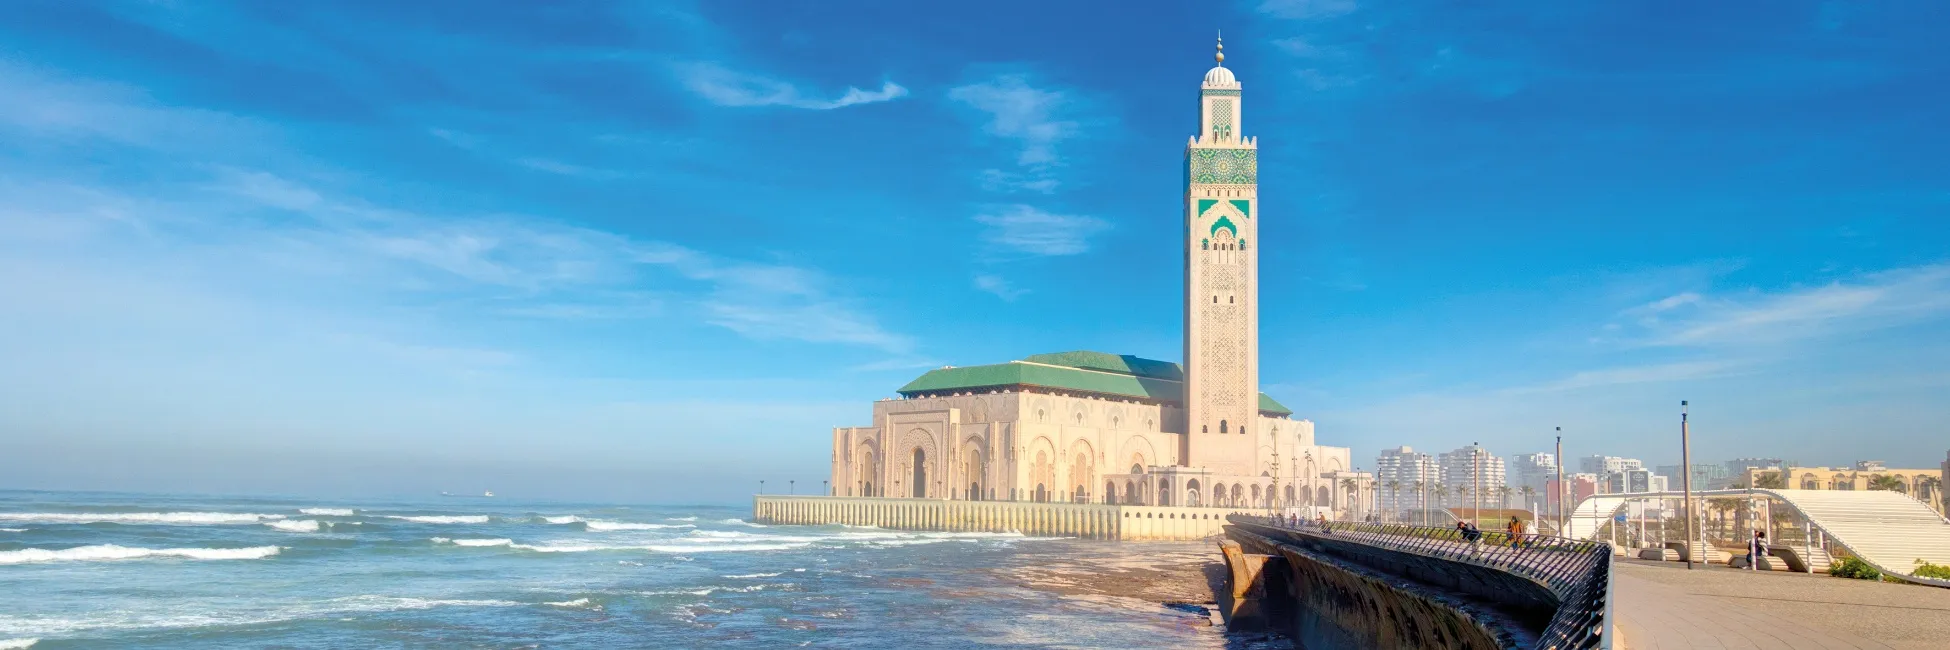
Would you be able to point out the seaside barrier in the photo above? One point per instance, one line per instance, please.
(1380, 585)
(1125, 523)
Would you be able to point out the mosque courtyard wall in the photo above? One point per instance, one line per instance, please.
(1079, 520)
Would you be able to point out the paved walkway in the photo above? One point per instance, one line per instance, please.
(1663, 606)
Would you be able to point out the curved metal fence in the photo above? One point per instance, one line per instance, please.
(1578, 572)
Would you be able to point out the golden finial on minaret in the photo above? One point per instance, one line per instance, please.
(1220, 57)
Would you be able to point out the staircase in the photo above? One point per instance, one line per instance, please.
(1885, 529)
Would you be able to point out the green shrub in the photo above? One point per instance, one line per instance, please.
(1927, 570)
(1853, 568)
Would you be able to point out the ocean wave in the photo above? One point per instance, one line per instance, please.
(600, 526)
(441, 519)
(691, 518)
(295, 526)
(17, 644)
(579, 602)
(328, 512)
(565, 519)
(13, 530)
(138, 517)
(749, 576)
(104, 552)
(742, 522)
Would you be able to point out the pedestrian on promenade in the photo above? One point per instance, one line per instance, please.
(1756, 548)
(1321, 521)
(1516, 532)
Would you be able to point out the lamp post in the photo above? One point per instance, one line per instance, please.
(761, 486)
(1273, 500)
(1686, 462)
(792, 487)
(1476, 482)
(823, 489)
(1560, 483)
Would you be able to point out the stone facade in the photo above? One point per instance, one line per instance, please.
(1925, 485)
(1025, 445)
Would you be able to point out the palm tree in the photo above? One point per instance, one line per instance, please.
(1353, 490)
(1770, 481)
(1527, 492)
(1887, 483)
(1422, 499)
(1441, 493)
(1931, 487)
(1503, 496)
(1394, 493)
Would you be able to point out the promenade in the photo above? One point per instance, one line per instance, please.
(1662, 606)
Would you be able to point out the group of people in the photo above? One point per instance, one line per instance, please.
(1291, 520)
(1518, 539)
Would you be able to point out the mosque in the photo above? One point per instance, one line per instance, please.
(1091, 427)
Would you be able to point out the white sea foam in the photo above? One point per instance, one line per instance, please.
(600, 526)
(742, 522)
(295, 526)
(579, 602)
(102, 552)
(138, 517)
(749, 576)
(195, 615)
(13, 530)
(693, 518)
(565, 519)
(474, 542)
(328, 512)
(17, 644)
(441, 519)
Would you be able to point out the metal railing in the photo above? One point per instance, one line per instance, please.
(1578, 572)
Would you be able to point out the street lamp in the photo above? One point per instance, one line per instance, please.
(792, 487)
(1686, 463)
(761, 486)
(825, 490)
(1476, 482)
(1559, 497)
(1273, 500)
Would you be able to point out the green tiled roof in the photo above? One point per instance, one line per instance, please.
(1082, 371)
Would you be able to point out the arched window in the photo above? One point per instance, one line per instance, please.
(1205, 244)
(1078, 417)
(1137, 469)
(1202, 429)
(1231, 299)
(1222, 426)
(1215, 299)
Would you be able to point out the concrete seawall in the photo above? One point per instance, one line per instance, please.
(1083, 520)
(1327, 596)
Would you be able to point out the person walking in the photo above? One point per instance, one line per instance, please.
(1516, 532)
(1756, 548)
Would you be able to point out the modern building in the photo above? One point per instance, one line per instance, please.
(1924, 484)
(1738, 467)
(1630, 481)
(1403, 478)
(1706, 476)
(1532, 470)
(1468, 469)
(1577, 487)
(1105, 428)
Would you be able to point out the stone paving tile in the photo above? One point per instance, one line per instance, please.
(1654, 616)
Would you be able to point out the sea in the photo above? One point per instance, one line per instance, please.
(114, 570)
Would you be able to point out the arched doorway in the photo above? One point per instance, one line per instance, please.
(1325, 498)
(1131, 495)
(1110, 492)
(974, 492)
(1164, 492)
(1191, 493)
(1042, 493)
(920, 473)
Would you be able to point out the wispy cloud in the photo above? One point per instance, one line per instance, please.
(995, 284)
(1865, 303)
(1650, 374)
(1305, 9)
(1018, 111)
(1026, 229)
(727, 87)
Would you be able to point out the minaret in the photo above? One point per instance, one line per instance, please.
(1221, 281)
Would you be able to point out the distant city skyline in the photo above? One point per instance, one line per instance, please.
(656, 251)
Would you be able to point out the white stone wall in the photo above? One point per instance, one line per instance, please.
(1088, 521)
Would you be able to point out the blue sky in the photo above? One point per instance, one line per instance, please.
(656, 250)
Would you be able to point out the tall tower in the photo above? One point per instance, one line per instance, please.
(1221, 281)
